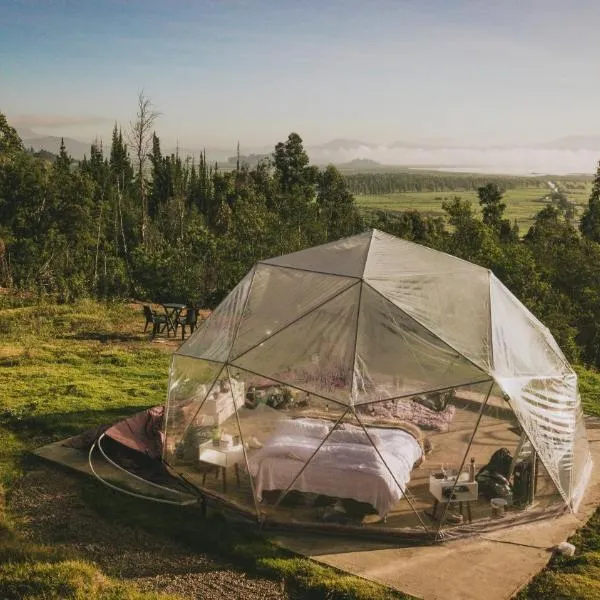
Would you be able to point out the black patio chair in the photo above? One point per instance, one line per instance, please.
(159, 322)
(189, 319)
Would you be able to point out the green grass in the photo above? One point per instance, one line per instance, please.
(59, 376)
(589, 388)
(38, 575)
(64, 369)
(571, 578)
(522, 203)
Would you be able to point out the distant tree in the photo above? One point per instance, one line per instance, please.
(295, 183)
(410, 225)
(161, 184)
(120, 164)
(590, 221)
(10, 142)
(459, 211)
(291, 163)
(63, 162)
(336, 205)
(140, 139)
(492, 207)
(121, 173)
(471, 239)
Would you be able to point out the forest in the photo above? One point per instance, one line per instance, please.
(428, 181)
(135, 223)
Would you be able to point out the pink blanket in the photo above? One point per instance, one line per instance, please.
(413, 412)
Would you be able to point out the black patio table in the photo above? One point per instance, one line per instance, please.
(172, 310)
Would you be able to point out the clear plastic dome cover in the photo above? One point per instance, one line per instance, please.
(376, 383)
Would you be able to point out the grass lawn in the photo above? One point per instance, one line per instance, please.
(66, 368)
(522, 203)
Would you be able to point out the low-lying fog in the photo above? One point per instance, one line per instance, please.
(487, 160)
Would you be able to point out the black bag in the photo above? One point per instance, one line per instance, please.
(493, 477)
(522, 483)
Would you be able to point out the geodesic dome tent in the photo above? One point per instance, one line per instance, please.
(363, 383)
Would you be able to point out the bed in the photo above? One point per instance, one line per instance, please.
(346, 465)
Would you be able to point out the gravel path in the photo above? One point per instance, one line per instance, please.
(48, 509)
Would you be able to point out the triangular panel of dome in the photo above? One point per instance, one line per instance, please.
(520, 346)
(582, 461)
(214, 339)
(315, 353)
(390, 256)
(190, 382)
(280, 295)
(396, 356)
(491, 434)
(548, 409)
(454, 306)
(211, 454)
(343, 257)
(399, 452)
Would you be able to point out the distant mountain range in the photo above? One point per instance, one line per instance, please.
(571, 142)
(575, 142)
(570, 154)
(51, 143)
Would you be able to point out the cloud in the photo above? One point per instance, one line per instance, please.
(57, 121)
(510, 160)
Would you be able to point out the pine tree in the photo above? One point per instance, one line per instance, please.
(492, 207)
(120, 165)
(590, 221)
(10, 142)
(63, 162)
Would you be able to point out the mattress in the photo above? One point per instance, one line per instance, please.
(341, 468)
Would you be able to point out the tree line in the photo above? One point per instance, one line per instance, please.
(134, 222)
(415, 181)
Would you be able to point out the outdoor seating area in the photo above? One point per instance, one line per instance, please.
(169, 318)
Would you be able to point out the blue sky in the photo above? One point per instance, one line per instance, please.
(380, 71)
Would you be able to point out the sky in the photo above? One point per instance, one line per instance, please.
(466, 71)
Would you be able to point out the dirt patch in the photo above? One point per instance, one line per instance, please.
(48, 509)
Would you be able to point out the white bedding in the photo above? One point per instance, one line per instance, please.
(339, 469)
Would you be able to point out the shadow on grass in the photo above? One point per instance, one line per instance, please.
(238, 542)
(217, 534)
(34, 431)
(55, 426)
(105, 338)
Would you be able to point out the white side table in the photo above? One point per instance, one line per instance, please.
(465, 491)
(222, 458)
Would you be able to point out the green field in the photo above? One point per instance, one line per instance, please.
(64, 368)
(521, 203)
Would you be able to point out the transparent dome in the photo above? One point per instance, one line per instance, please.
(376, 385)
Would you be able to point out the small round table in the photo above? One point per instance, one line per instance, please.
(173, 310)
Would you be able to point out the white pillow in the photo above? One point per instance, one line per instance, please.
(312, 428)
(354, 435)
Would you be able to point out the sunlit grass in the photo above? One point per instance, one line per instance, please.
(66, 369)
(522, 204)
(58, 379)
